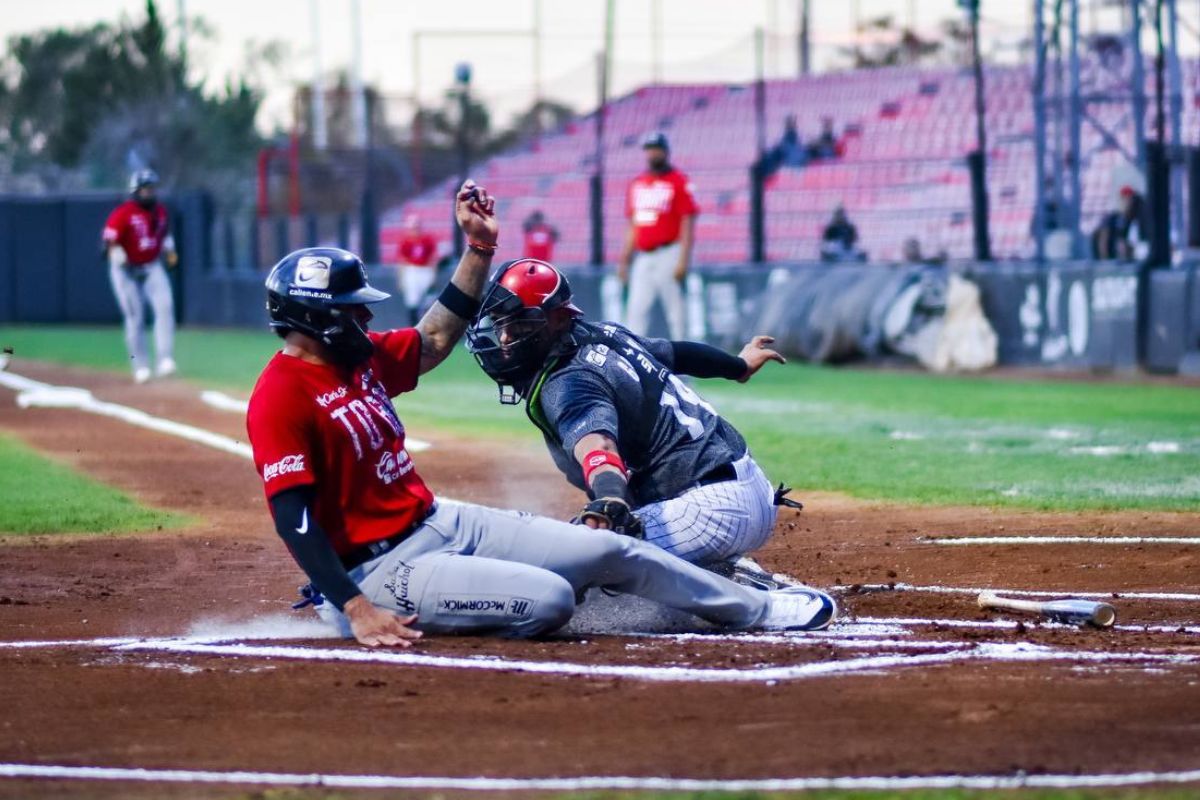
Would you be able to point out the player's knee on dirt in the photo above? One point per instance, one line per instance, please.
(551, 610)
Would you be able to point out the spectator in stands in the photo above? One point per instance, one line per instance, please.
(912, 254)
(418, 254)
(1123, 234)
(788, 152)
(658, 248)
(826, 144)
(912, 251)
(840, 239)
(540, 237)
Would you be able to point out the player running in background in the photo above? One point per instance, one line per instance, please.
(137, 241)
(654, 458)
(418, 265)
(387, 561)
(658, 248)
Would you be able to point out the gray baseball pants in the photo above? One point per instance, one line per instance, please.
(471, 569)
(134, 287)
(652, 275)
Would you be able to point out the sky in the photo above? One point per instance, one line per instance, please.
(412, 46)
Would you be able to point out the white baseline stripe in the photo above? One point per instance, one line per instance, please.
(36, 393)
(749, 675)
(1006, 625)
(225, 402)
(44, 395)
(908, 587)
(1126, 540)
(593, 783)
(1007, 652)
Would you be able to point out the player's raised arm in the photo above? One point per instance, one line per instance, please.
(446, 321)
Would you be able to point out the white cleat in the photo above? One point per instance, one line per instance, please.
(166, 368)
(141, 375)
(799, 608)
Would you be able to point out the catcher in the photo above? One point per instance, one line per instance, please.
(388, 561)
(655, 459)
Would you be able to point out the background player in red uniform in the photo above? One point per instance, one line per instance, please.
(540, 237)
(658, 248)
(137, 240)
(385, 559)
(418, 264)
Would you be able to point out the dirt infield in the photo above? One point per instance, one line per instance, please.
(915, 682)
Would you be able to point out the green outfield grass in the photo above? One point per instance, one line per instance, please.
(41, 496)
(898, 436)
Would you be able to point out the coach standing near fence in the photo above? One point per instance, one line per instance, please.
(658, 248)
(137, 241)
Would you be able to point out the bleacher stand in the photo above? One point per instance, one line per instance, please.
(900, 171)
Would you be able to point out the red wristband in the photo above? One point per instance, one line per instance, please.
(482, 247)
(598, 458)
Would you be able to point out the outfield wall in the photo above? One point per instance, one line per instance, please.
(1101, 316)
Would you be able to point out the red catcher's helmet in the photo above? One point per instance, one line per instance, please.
(510, 337)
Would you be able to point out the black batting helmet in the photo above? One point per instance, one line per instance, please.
(143, 177)
(306, 292)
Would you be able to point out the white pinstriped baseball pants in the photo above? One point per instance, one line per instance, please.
(717, 522)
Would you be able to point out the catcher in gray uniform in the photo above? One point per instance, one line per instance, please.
(656, 460)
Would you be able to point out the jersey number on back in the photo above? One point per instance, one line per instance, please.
(677, 393)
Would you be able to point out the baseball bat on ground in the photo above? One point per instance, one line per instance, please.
(1072, 612)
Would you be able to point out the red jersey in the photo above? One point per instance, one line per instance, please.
(139, 231)
(656, 205)
(336, 429)
(419, 250)
(539, 242)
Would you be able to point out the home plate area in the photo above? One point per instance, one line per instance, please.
(135, 663)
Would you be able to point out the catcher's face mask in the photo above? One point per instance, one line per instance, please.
(511, 349)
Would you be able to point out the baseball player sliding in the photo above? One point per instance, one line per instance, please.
(388, 562)
(655, 458)
(137, 240)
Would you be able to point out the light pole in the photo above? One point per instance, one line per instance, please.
(977, 161)
(462, 78)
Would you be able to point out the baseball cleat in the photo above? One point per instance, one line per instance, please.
(799, 608)
(141, 375)
(748, 572)
(166, 368)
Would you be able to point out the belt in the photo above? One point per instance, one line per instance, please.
(725, 472)
(656, 247)
(372, 550)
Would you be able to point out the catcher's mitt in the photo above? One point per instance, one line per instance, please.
(615, 514)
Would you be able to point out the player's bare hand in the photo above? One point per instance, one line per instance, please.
(171, 258)
(475, 211)
(756, 354)
(623, 271)
(595, 524)
(680, 271)
(375, 627)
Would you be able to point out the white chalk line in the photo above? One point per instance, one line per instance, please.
(594, 783)
(908, 587)
(994, 651)
(1003, 540)
(1012, 625)
(33, 393)
(225, 402)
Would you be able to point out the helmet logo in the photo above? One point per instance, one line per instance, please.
(312, 272)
